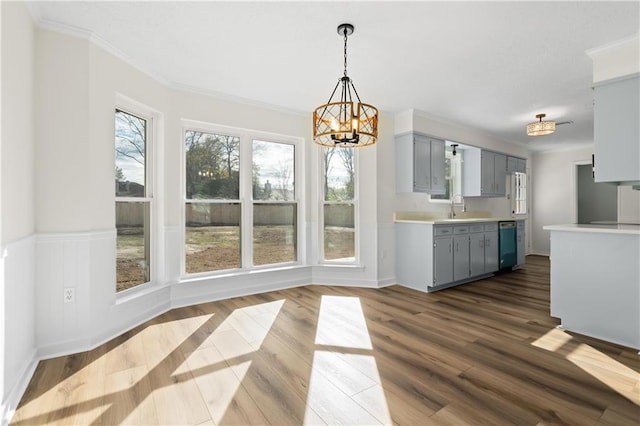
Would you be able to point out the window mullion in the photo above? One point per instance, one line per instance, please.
(246, 230)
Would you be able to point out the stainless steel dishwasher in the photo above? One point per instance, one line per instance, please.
(507, 244)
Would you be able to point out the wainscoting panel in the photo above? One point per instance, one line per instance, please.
(19, 346)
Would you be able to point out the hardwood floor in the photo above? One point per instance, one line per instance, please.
(482, 353)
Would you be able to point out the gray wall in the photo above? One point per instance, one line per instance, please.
(596, 201)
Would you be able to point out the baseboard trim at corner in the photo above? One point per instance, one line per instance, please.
(538, 253)
(13, 397)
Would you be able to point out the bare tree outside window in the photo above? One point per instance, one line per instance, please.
(274, 207)
(133, 203)
(339, 204)
(212, 227)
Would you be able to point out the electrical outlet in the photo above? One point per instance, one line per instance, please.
(69, 294)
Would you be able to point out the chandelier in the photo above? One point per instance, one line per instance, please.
(541, 128)
(345, 123)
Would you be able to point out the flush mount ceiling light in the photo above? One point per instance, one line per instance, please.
(345, 123)
(541, 128)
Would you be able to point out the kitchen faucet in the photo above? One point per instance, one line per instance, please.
(452, 214)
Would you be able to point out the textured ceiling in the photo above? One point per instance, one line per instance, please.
(489, 65)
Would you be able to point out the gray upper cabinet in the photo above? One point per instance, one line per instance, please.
(484, 173)
(420, 164)
(616, 130)
(515, 164)
(437, 166)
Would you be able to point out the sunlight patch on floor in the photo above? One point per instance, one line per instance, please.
(216, 366)
(607, 370)
(344, 386)
(341, 323)
(552, 340)
(612, 373)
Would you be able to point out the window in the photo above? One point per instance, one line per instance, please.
(452, 175)
(212, 208)
(223, 168)
(338, 230)
(520, 193)
(274, 205)
(133, 200)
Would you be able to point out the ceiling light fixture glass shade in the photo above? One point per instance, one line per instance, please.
(541, 128)
(347, 122)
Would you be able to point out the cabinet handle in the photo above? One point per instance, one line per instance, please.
(457, 246)
(450, 247)
(488, 243)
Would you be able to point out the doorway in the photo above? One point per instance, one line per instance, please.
(595, 201)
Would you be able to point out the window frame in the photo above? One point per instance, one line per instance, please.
(518, 189)
(153, 137)
(449, 156)
(295, 202)
(245, 197)
(356, 211)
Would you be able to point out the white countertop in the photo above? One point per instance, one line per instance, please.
(427, 218)
(603, 229)
(456, 221)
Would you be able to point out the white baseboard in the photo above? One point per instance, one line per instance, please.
(14, 395)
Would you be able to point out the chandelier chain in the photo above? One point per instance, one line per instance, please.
(345, 52)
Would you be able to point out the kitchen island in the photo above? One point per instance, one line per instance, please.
(595, 280)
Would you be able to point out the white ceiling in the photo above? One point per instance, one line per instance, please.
(490, 65)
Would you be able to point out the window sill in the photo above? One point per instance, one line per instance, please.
(352, 266)
(236, 272)
(139, 291)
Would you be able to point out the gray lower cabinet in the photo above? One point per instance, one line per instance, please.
(476, 253)
(483, 246)
(460, 252)
(430, 257)
(442, 254)
(491, 253)
(520, 238)
(451, 254)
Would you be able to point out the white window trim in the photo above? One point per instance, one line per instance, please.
(154, 144)
(245, 198)
(513, 196)
(356, 262)
(453, 192)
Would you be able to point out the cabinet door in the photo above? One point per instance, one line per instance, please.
(476, 254)
(521, 166)
(616, 130)
(500, 173)
(512, 164)
(443, 261)
(487, 172)
(491, 257)
(460, 257)
(437, 167)
(520, 242)
(421, 164)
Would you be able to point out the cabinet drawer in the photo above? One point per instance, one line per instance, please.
(476, 227)
(442, 230)
(491, 226)
(461, 229)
